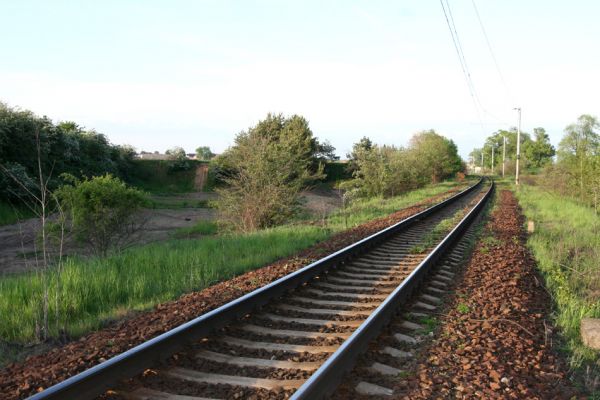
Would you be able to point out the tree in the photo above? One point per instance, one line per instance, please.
(364, 144)
(577, 150)
(437, 155)
(388, 170)
(203, 153)
(266, 169)
(326, 152)
(178, 159)
(539, 152)
(103, 211)
(64, 147)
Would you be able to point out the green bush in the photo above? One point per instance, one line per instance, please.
(102, 211)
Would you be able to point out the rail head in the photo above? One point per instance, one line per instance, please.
(95, 380)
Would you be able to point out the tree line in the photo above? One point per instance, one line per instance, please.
(263, 173)
(29, 143)
(384, 170)
(572, 169)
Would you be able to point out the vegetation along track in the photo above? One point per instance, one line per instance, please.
(296, 336)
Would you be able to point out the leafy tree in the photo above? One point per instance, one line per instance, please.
(326, 152)
(178, 159)
(437, 155)
(267, 167)
(540, 151)
(578, 149)
(203, 153)
(388, 170)
(64, 147)
(103, 211)
(358, 148)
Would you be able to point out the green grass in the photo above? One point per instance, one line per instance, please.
(11, 214)
(93, 290)
(566, 244)
(88, 291)
(200, 228)
(363, 210)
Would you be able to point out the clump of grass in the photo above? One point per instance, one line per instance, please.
(566, 245)
(202, 227)
(462, 308)
(430, 323)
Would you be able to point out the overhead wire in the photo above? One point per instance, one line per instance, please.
(463, 63)
(489, 46)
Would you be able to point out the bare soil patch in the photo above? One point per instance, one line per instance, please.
(20, 380)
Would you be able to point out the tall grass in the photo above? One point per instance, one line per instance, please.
(86, 291)
(89, 291)
(566, 244)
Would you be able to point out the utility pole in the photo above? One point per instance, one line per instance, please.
(482, 161)
(503, 154)
(493, 146)
(518, 146)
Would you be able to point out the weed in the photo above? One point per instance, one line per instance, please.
(462, 308)
(430, 324)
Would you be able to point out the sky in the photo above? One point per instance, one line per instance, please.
(159, 74)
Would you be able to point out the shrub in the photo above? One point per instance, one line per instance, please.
(103, 211)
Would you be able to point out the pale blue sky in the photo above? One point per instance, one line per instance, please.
(155, 74)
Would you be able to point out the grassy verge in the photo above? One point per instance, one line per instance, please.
(89, 291)
(10, 214)
(566, 244)
(361, 211)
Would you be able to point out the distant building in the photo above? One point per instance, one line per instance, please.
(152, 156)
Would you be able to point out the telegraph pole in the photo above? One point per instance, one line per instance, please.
(493, 145)
(503, 154)
(518, 146)
(482, 161)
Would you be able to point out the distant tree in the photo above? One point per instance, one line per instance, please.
(437, 155)
(203, 153)
(326, 152)
(540, 151)
(178, 159)
(358, 148)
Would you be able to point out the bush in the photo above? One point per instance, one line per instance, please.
(102, 211)
(264, 172)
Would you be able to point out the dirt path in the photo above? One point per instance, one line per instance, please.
(37, 372)
(495, 338)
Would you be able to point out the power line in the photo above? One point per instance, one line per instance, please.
(489, 45)
(463, 62)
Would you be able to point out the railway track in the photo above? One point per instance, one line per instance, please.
(297, 336)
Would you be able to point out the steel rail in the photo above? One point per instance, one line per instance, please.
(95, 380)
(325, 380)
